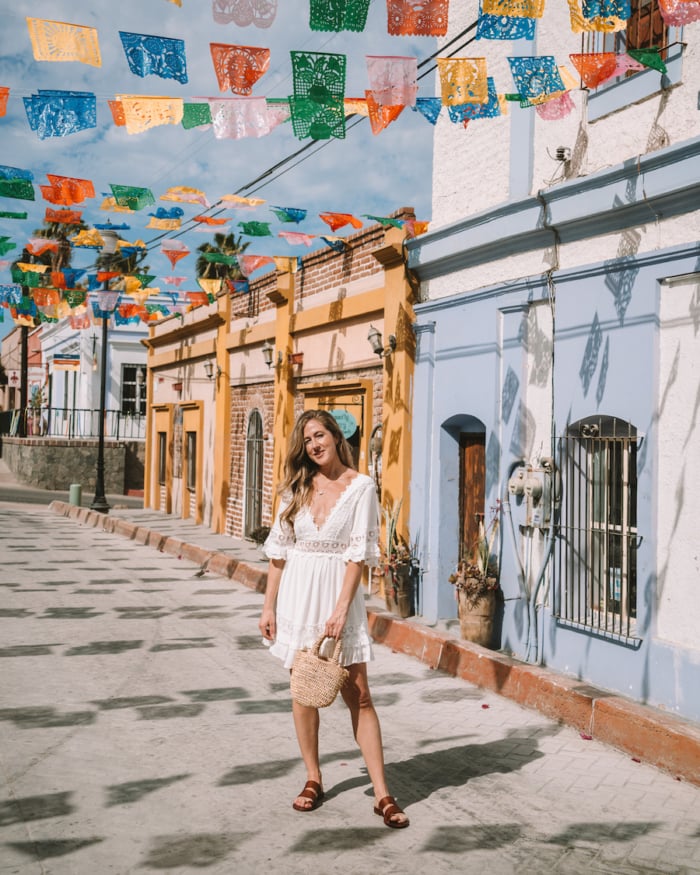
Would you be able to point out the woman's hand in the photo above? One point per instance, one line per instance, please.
(336, 623)
(268, 624)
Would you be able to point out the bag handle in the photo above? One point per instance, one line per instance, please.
(336, 651)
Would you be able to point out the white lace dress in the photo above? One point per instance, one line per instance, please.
(315, 561)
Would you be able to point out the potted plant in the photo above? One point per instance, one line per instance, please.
(476, 587)
(400, 566)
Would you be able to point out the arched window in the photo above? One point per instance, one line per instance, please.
(253, 473)
(597, 569)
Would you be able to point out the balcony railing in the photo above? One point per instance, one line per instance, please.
(72, 423)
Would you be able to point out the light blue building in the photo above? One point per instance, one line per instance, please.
(557, 383)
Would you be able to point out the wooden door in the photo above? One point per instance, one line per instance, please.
(472, 490)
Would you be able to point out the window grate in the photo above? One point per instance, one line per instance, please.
(596, 569)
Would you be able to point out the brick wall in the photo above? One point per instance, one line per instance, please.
(245, 399)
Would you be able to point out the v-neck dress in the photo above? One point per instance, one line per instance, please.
(315, 561)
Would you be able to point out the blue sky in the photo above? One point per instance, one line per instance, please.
(361, 174)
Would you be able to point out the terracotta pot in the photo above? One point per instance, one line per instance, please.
(398, 590)
(476, 618)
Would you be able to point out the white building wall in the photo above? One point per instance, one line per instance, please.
(678, 501)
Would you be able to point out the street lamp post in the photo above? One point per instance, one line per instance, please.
(99, 502)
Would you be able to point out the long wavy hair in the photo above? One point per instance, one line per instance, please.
(299, 469)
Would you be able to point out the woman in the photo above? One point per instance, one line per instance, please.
(326, 530)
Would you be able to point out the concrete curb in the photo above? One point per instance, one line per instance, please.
(646, 733)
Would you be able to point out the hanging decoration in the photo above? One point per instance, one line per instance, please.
(176, 281)
(220, 258)
(80, 321)
(581, 24)
(8, 214)
(109, 203)
(429, 108)
(10, 293)
(155, 55)
(234, 118)
(59, 113)
(417, 17)
(593, 9)
(679, 12)
(233, 201)
(261, 13)
(625, 64)
(469, 111)
(384, 221)
(556, 108)
(18, 188)
(89, 238)
(168, 213)
(337, 244)
(649, 58)
(239, 67)
(60, 41)
(289, 214)
(209, 220)
(142, 112)
(117, 109)
(251, 263)
(185, 194)
(393, 80)
(164, 224)
(355, 106)
(594, 68)
(199, 299)
(413, 227)
(536, 78)
(66, 190)
(174, 250)
(297, 238)
(255, 229)
(196, 115)
(39, 245)
(63, 217)
(462, 80)
(132, 196)
(505, 27)
(317, 105)
(235, 286)
(514, 8)
(337, 15)
(4, 94)
(381, 117)
(339, 220)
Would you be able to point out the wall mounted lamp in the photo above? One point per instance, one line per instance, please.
(377, 344)
(268, 351)
(209, 370)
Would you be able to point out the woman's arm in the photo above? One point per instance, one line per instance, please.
(268, 618)
(336, 622)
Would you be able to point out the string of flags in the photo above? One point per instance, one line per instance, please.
(318, 106)
(81, 296)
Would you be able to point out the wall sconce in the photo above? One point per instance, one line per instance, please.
(268, 351)
(376, 342)
(209, 370)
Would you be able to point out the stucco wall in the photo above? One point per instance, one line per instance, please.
(678, 502)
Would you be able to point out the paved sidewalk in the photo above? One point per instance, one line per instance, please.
(145, 728)
(646, 733)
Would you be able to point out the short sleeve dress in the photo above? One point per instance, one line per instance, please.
(315, 561)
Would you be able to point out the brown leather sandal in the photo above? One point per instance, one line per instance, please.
(313, 791)
(387, 808)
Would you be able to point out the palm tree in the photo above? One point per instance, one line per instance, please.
(222, 263)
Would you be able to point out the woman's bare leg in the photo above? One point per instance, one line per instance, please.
(306, 723)
(368, 734)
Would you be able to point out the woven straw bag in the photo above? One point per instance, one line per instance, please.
(316, 680)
